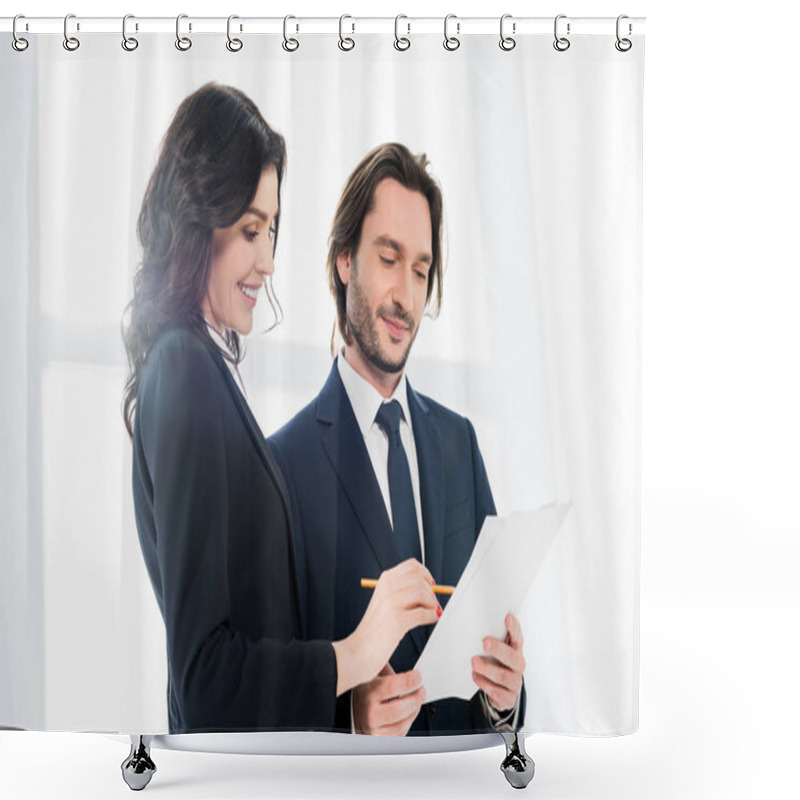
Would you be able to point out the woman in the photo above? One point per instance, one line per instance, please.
(210, 503)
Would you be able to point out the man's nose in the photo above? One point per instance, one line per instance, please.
(402, 293)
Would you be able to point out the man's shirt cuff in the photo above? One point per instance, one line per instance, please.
(503, 722)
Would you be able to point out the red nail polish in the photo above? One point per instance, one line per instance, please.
(438, 610)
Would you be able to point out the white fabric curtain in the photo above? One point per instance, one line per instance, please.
(538, 154)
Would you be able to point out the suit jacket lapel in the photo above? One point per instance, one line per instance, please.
(267, 459)
(428, 442)
(344, 445)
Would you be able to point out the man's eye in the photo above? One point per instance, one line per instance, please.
(273, 232)
(387, 260)
(251, 235)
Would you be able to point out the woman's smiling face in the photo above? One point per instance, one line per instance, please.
(241, 257)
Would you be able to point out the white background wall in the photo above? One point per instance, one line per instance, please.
(721, 435)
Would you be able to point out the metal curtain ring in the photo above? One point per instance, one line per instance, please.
(70, 42)
(233, 44)
(345, 42)
(623, 45)
(401, 42)
(18, 43)
(129, 43)
(507, 42)
(561, 43)
(183, 43)
(289, 45)
(451, 42)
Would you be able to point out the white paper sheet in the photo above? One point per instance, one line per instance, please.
(507, 557)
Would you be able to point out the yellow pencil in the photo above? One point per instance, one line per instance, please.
(371, 583)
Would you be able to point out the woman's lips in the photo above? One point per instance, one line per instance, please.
(248, 292)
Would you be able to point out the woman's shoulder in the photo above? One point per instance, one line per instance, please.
(180, 338)
(179, 357)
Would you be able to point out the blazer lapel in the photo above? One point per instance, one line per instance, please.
(428, 442)
(344, 445)
(253, 429)
(268, 460)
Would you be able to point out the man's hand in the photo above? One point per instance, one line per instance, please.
(499, 673)
(378, 707)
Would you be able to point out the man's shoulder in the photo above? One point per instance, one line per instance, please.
(453, 430)
(303, 429)
(324, 407)
(298, 425)
(439, 413)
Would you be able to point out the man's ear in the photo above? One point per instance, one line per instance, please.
(343, 266)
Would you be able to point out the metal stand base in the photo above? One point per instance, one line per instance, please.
(138, 768)
(518, 766)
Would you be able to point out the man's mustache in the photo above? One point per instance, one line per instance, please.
(397, 314)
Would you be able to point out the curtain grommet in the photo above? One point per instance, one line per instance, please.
(19, 43)
(289, 44)
(346, 43)
(129, 43)
(561, 43)
(233, 44)
(507, 43)
(623, 44)
(183, 43)
(401, 43)
(451, 43)
(71, 43)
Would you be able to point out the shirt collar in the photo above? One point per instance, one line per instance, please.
(218, 339)
(366, 399)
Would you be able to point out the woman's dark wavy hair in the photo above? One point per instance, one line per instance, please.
(207, 173)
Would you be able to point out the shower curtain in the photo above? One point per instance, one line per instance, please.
(537, 149)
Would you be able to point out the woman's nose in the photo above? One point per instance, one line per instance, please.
(265, 262)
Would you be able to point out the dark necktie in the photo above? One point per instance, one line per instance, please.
(404, 512)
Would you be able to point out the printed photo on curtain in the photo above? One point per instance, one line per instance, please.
(320, 384)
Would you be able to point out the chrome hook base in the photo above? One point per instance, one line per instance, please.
(518, 766)
(138, 768)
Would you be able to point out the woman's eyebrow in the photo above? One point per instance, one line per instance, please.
(258, 212)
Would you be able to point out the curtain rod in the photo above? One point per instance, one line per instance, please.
(326, 25)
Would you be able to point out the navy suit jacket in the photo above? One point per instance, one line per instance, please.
(343, 533)
(214, 527)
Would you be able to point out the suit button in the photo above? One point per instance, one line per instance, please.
(432, 709)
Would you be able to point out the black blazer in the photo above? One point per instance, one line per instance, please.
(343, 533)
(214, 527)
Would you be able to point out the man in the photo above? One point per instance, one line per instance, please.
(378, 473)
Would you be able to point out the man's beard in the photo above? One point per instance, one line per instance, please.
(363, 328)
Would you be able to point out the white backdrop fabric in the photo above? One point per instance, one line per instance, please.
(538, 342)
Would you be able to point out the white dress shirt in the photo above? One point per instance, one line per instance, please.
(220, 342)
(366, 400)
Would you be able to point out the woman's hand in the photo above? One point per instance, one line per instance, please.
(402, 600)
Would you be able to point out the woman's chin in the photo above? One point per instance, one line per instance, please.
(243, 328)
